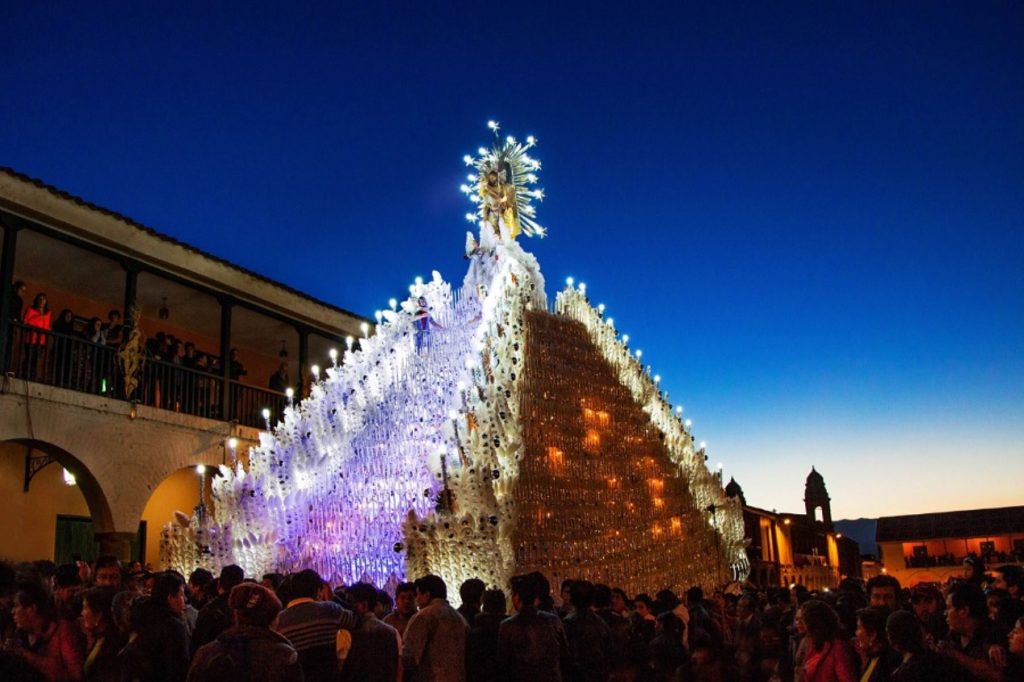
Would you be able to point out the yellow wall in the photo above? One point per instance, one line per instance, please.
(177, 492)
(28, 524)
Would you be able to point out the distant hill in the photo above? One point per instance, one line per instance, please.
(861, 530)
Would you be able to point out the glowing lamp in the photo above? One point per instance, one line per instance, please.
(393, 303)
(365, 329)
(201, 469)
(315, 369)
(233, 443)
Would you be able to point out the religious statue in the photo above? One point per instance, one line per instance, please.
(498, 197)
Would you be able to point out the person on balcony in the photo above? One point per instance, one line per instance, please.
(236, 370)
(17, 300)
(279, 379)
(37, 316)
(114, 329)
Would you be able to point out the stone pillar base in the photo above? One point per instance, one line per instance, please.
(116, 544)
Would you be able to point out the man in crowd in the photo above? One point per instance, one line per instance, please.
(216, 617)
(405, 607)
(434, 649)
(312, 626)
(589, 637)
(883, 592)
(374, 654)
(107, 572)
(531, 643)
(971, 634)
(471, 592)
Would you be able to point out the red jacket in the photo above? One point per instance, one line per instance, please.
(836, 662)
(34, 318)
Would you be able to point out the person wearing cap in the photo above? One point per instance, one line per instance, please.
(249, 650)
(974, 569)
(928, 605)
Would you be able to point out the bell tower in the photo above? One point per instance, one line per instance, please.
(816, 500)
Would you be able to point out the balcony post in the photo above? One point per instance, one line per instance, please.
(304, 380)
(227, 407)
(131, 291)
(6, 294)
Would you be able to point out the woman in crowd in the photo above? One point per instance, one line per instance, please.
(37, 316)
(104, 641)
(827, 656)
(51, 645)
(250, 650)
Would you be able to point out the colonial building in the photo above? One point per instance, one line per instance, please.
(128, 422)
(931, 547)
(797, 548)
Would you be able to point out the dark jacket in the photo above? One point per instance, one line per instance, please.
(246, 653)
(213, 619)
(590, 640)
(926, 666)
(160, 653)
(104, 666)
(482, 648)
(531, 646)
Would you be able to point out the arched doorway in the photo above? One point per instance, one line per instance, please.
(178, 492)
(50, 514)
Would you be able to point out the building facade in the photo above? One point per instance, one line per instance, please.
(217, 346)
(931, 548)
(797, 548)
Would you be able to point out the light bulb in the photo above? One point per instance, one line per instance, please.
(379, 315)
(583, 287)
(418, 281)
(493, 125)
(349, 341)
(703, 445)
(266, 413)
(232, 443)
(569, 281)
(625, 338)
(600, 307)
(333, 353)
(657, 378)
(315, 369)
(392, 303)
(689, 423)
(468, 160)
(364, 328)
(639, 353)
(201, 469)
(530, 139)
(289, 393)
(611, 321)
(679, 409)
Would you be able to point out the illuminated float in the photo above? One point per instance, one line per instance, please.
(478, 434)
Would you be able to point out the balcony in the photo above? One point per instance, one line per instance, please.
(74, 363)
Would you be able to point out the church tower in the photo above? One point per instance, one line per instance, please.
(816, 500)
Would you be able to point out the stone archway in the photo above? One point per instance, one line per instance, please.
(34, 463)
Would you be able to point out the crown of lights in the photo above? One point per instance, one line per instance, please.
(508, 159)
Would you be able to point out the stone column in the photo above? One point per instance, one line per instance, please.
(116, 544)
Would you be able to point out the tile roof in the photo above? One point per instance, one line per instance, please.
(956, 524)
(171, 240)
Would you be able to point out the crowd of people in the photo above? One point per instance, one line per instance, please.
(100, 621)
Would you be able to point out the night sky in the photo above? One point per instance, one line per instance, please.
(809, 216)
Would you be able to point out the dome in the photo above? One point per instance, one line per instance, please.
(733, 489)
(815, 486)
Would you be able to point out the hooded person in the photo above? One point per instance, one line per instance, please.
(249, 649)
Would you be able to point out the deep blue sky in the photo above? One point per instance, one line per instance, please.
(808, 215)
